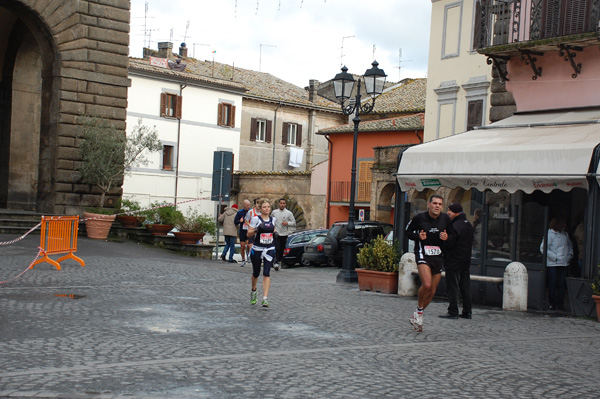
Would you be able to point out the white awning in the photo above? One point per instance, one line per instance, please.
(524, 152)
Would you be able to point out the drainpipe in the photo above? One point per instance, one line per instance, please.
(181, 87)
(312, 117)
(274, 137)
(328, 199)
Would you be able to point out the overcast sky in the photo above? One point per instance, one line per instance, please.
(301, 39)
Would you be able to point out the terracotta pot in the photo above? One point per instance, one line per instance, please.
(597, 299)
(185, 237)
(97, 225)
(159, 229)
(384, 282)
(130, 221)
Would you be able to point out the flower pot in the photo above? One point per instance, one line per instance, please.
(130, 221)
(597, 299)
(97, 226)
(384, 282)
(185, 237)
(159, 229)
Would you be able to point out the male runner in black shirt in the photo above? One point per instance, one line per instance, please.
(429, 230)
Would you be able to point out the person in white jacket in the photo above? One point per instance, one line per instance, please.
(558, 255)
(286, 224)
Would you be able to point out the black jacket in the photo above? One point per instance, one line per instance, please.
(458, 253)
(433, 228)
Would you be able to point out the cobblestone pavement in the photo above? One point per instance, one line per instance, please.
(154, 324)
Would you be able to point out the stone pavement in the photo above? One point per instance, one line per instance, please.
(155, 324)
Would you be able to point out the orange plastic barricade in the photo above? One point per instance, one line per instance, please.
(59, 235)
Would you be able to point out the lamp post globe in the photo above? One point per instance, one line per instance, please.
(343, 84)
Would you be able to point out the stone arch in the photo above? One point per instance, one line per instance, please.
(28, 109)
(385, 199)
(293, 206)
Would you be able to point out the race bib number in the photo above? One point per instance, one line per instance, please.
(245, 227)
(266, 238)
(432, 250)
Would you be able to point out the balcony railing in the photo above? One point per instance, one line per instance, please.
(502, 22)
(340, 191)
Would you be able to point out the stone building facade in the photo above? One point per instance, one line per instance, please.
(59, 60)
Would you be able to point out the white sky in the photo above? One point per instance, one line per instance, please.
(301, 39)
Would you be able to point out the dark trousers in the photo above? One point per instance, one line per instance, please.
(458, 282)
(557, 277)
(280, 242)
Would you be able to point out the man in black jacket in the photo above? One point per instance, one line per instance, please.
(429, 230)
(458, 263)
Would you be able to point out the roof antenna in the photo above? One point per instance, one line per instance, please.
(342, 55)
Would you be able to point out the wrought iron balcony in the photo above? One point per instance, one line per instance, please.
(505, 27)
(340, 191)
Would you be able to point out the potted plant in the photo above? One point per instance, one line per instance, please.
(128, 213)
(379, 260)
(194, 226)
(107, 154)
(161, 218)
(596, 292)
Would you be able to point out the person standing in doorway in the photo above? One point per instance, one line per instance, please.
(429, 230)
(458, 264)
(286, 224)
(240, 218)
(558, 255)
(229, 231)
(262, 228)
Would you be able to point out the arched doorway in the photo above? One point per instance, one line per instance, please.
(28, 110)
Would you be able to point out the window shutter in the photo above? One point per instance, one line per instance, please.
(163, 104)
(299, 136)
(232, 117)
(575, 16)
(474, 114)
(220, 115)
(284, 133)
(268, 133)
(179, 107)
(365, 175)
(253, 128)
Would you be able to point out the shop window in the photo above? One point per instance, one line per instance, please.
(170, 105)
(474, 114)
(260, 130)
(499, 229)
(226, 115)
(167, 157)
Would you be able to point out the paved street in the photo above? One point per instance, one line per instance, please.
(155, 324)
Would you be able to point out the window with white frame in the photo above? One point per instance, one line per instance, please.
(291, 134)
(260, 130)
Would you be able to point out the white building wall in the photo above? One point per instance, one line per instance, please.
(456, 73)
(196, 135)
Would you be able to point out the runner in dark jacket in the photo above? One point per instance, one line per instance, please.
(430, 230)
(458, 263)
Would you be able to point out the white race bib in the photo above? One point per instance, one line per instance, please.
(266, 238)
(432, 250)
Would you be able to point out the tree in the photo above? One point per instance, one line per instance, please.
(108, 154)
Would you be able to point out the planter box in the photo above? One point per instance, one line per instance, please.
(384, 282)
(159, 229)
(185, 237)
(130, 221)
(97, 225)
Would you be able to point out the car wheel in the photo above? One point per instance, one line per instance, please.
(305, 262)
(331, 261)
(330, 246)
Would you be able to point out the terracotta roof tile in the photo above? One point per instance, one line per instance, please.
(401, 123)
(403, 97)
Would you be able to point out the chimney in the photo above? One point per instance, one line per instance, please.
(183, 50)
(313, 87)
(165, 50)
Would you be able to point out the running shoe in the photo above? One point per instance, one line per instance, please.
(417, 321)
(276, 266)
(265, 303)
(243, 263)
(253, 297)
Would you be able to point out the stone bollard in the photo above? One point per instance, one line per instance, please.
(514, 295)
(407, 285)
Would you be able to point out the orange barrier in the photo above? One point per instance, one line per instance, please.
(59, 235)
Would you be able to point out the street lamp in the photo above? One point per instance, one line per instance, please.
(343, 83)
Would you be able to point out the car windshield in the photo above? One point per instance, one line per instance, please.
(337, 230)
(318, 239)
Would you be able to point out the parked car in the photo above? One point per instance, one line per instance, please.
(294, 247)
(314, 252)
(364, 232)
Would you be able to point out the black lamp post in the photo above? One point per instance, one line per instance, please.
(343, 83)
